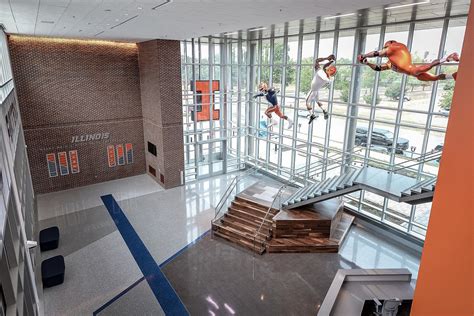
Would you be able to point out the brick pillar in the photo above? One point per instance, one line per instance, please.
(160, 81)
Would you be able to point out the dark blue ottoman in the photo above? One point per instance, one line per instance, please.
(52, 271)
(49, 238)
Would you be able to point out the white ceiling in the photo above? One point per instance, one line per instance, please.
(179, 19)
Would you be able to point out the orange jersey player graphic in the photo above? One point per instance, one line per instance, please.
(399, 60)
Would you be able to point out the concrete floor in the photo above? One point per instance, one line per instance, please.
(210, 277)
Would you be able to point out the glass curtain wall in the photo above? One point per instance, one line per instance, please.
(405, 118)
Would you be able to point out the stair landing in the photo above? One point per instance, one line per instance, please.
(311, 244)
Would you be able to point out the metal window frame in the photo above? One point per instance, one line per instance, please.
(253, 62)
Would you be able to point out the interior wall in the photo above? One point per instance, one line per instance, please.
(160, 80)
(78, 95)
(446, 279)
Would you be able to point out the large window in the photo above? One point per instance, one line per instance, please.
(405, 118)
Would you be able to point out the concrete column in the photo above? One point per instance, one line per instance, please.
(160, 82)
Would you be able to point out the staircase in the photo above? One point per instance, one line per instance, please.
(397, 187)
(241, 223)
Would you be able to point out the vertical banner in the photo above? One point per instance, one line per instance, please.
(63, 164)
(52, 167)
(129, 152)
(111, 155)
(74, 161)
(120, 155)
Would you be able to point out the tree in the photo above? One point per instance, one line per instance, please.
(278, 51)
(306, 75)
(394, 91)
(368, 99)
(446, 100)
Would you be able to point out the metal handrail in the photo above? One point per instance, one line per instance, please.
(321, 165)
(278, 195)
(421, 158)
(415, 164)
(231, 187)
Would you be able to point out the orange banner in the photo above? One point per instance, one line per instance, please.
(73, 158)
(120, 155)
(111, 156)
(52, 167)
(63, 164)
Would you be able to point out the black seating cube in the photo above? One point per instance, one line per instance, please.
(49, 238)
(52, 271)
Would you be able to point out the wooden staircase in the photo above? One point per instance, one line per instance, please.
(241, 223)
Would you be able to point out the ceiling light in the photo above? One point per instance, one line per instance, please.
(139, 8)
(116, 20)
(125, 14)
(337, 16)
(257, 29)
(407, 5)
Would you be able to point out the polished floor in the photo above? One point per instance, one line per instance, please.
(209, 276)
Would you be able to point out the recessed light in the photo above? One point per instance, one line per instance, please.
(125, 14)
(407, 5)
(139, 8)
(108, 24)
(338, 16)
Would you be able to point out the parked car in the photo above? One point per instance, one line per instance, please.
(380, 137)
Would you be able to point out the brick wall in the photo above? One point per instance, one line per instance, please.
(70, 88)
(160, 80)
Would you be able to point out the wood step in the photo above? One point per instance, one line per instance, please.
(249, 209)
(250, 216)
(258, 249)
(226, 221)
(258, 210)
(266, 228)
(304, 245)
(241, 199)
(239, 234)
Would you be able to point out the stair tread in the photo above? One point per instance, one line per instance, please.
(242, 199)
(251, 207)
(258, 218)
(248, 222)
(240, 233)
(248, 229)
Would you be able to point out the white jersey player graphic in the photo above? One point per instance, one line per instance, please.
(323, 77)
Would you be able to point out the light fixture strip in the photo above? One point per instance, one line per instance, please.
(133, 17)
(407, 5)
(162, 4)
(338, 16)
(257, 29)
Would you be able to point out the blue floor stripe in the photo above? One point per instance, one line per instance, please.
(115, 298)
(159, 284)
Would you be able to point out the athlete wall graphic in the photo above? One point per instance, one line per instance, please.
(271, 95)
(322, 77)
(399, 60)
